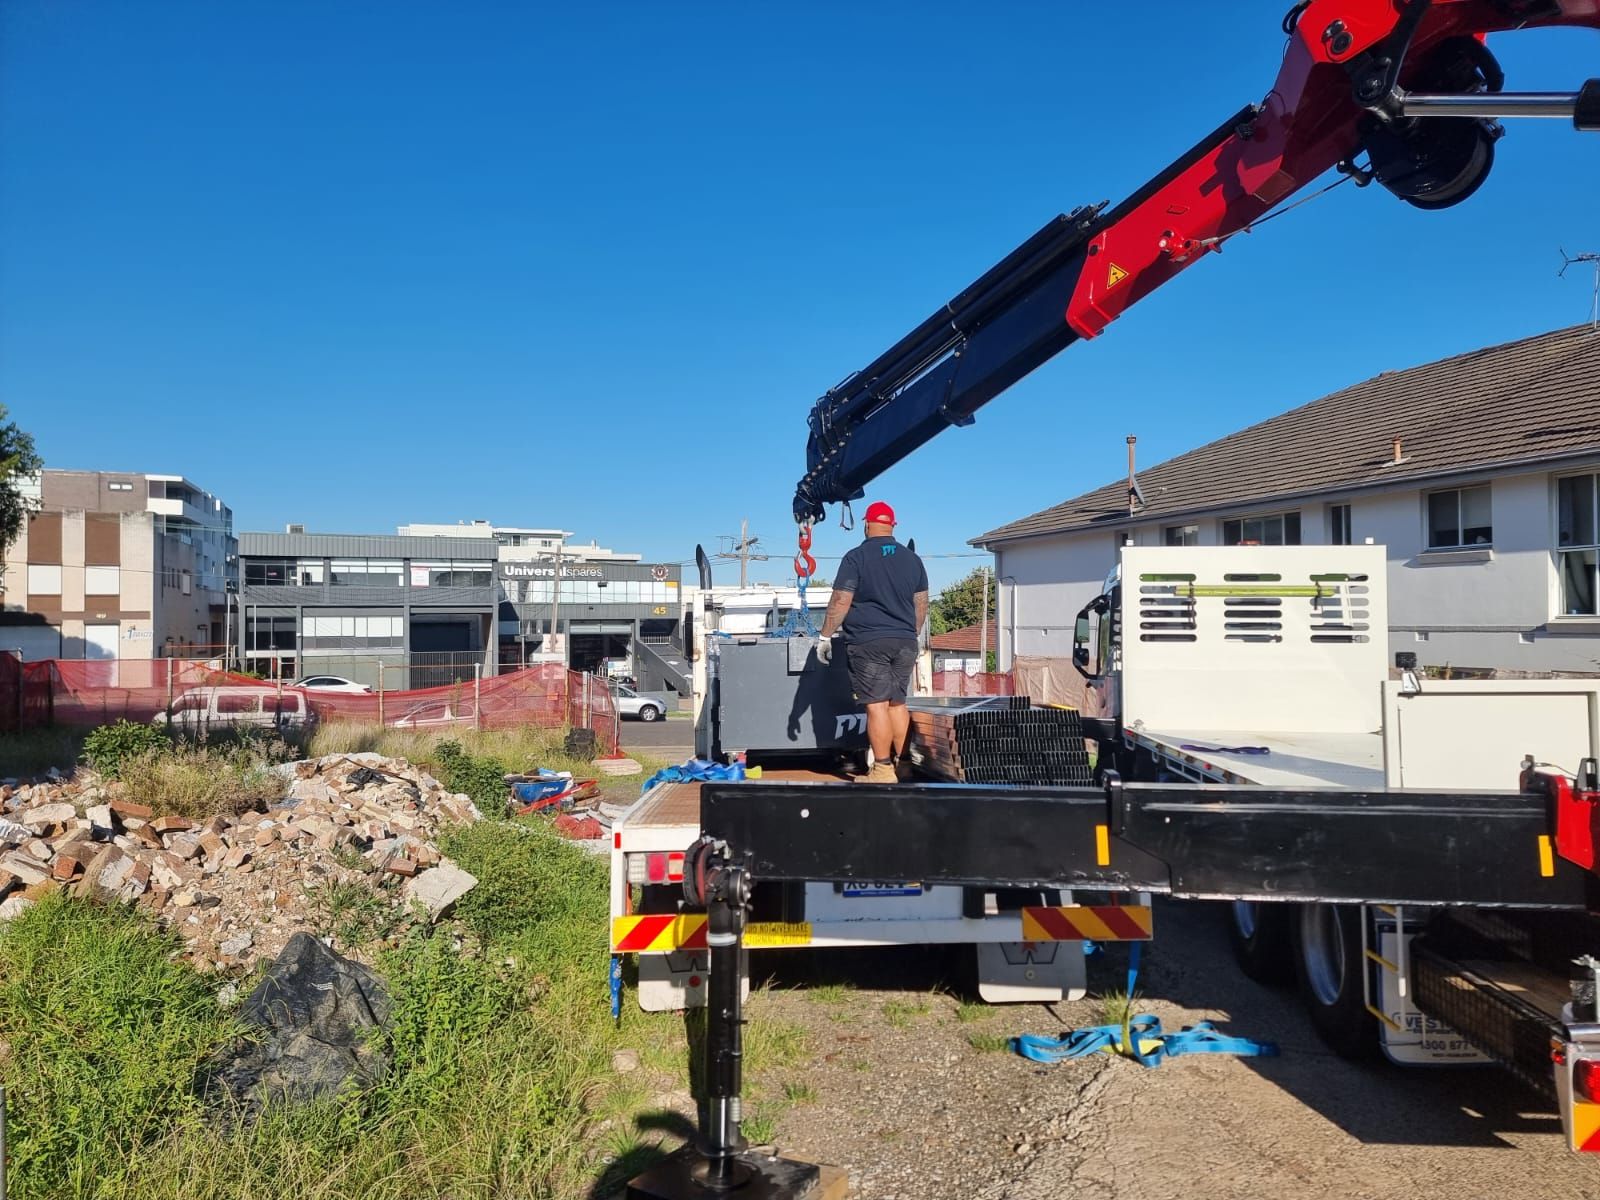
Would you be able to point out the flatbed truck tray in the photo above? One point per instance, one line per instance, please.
(1293, 759)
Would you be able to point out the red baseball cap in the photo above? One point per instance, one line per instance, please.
(879, 513)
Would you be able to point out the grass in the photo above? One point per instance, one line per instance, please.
(520, 750)
(799, 1092)
(197, 781)
(831, 994)
(102, 1036)
(1118, 1008)
(969, 1011)
(501, 1081)
(898, 1013)
(987, 1043)
(35, 751)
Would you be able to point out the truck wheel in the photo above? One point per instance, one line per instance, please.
(1329, 966)
(1263, 945)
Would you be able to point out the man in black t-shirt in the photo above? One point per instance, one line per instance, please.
(880, 601)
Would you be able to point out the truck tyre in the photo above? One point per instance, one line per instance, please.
(649, 713)
(1329, 967)
(1263, 945)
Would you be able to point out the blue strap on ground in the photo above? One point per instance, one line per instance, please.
(1146, 1044)
(1149, 1044)
(697, 770)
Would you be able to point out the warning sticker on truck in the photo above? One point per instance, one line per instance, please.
(765, 934)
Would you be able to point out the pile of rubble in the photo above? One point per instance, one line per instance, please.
(235, 889)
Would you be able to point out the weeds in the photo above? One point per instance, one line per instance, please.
(898, 1013)
(969, 1011)
(200, 781)
(35, 751)
(111, 747)
(987, 1043)
(759, 1128)
(832, 994)
(799, 1092)
(104, 1036)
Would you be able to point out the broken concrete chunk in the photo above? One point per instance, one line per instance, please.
(101, 823)
(127, 808)
(170, 824)
(436, 890)
(46, 816)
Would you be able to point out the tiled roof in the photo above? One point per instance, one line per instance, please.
(1524, 402)
(964, 641)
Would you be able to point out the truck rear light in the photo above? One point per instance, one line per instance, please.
(660, 867)
(1586, 1079)
(636, 868)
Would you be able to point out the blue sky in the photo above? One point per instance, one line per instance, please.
(357, 264)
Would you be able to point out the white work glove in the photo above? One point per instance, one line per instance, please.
(824, 650)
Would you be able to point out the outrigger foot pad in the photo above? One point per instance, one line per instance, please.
(683, 1176)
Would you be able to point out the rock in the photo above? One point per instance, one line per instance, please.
(318, 1014)
(127, 808)
(624, 1062)
(401, 866)
(65, 869)
(437, 889)
(185, 899)
(12, 834)
(237, 945)
(101, 823)
(183, 846)
(170, 824)
(311, 789)
(46, 816)
(13, 908)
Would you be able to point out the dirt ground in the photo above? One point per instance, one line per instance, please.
(911, 1092)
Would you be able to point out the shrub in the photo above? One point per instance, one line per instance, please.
(110, 747)
(482, 778)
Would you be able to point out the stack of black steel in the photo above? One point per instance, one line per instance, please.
(1001, 739)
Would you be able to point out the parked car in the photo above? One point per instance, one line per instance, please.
(207, 707)
(429, 713)
(332, 683)
(647, 706)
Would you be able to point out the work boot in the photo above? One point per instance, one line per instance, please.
(880, 772)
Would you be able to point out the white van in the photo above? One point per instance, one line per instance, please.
(208, 707)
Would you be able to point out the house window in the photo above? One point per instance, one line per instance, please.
(102, 581)
(1183, 535)
(1266, 529)
(1458, 518)
(1578, 544)
(1339, 525)
(268, 572)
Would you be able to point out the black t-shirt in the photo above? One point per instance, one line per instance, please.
(885, 578)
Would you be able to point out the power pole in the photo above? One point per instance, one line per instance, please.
(983, 624)
(555, 608)
(744, 551)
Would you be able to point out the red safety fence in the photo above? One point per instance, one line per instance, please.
(195, 695)
(982, 683)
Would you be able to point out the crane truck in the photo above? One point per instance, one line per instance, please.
(1402, 93)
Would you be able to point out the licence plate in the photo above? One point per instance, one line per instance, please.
(883, 889)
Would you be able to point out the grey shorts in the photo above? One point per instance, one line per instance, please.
(881, 669)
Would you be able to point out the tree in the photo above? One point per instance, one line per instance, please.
(961, 604)
(18, 459)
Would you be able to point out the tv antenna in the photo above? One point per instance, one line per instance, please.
(1594, 307)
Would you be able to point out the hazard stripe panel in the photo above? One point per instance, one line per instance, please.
(662, 931)
(1088, 923)
(1585, 1125)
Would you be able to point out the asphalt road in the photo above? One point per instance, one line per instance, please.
(671, 739)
